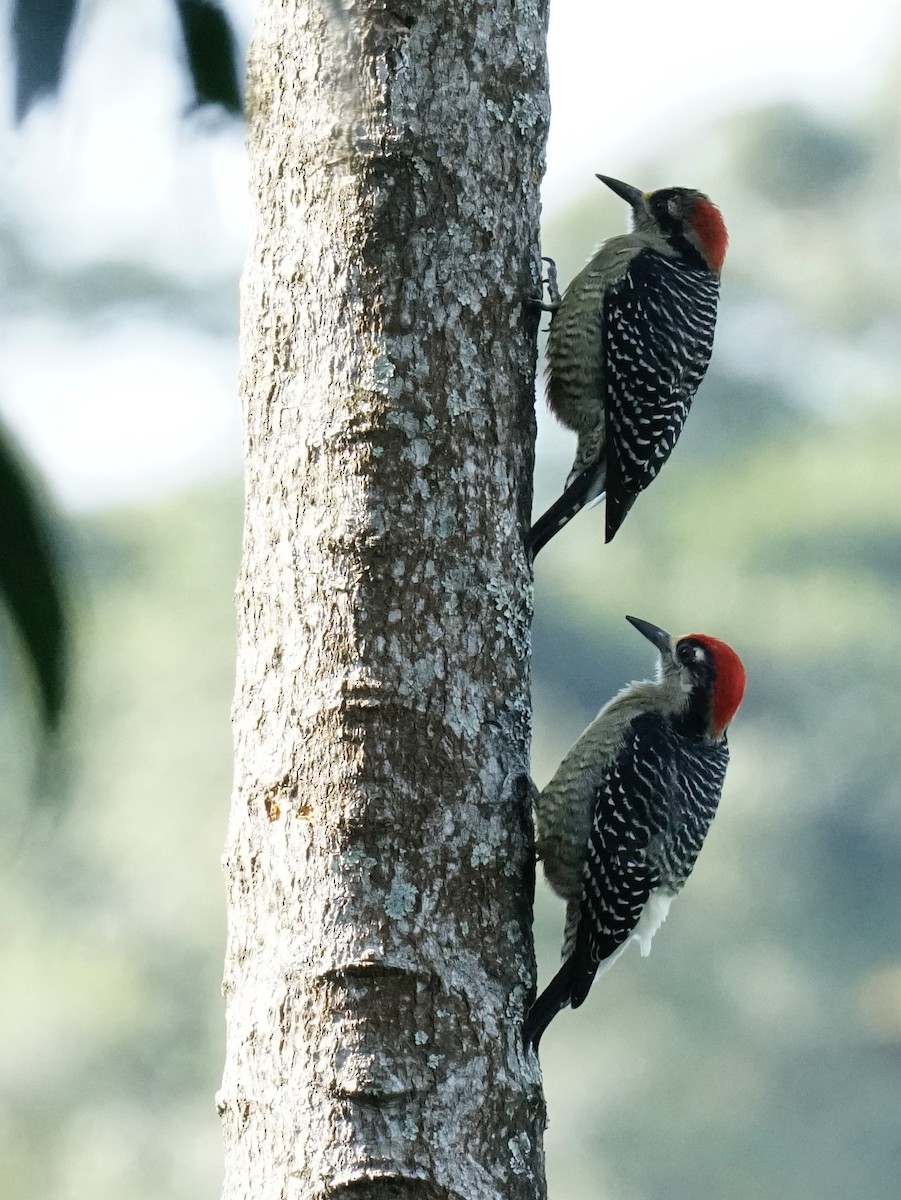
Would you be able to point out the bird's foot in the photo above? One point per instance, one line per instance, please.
(553, 289)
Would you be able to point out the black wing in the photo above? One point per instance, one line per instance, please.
(618, 874)
(658, 337)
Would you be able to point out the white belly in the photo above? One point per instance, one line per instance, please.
(652, 917)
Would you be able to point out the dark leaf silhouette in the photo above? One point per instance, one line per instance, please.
(40, 34)
(31, 582)
(210, 49)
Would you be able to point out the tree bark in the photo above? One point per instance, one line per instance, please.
(379, 855)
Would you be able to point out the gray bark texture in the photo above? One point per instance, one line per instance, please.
(379, 856)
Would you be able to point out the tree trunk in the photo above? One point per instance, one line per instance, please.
(379, 853)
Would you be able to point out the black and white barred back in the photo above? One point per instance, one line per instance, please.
(653, 809)
(658, 328)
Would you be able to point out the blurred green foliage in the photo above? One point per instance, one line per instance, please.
(757, 1052)
(111, 1024)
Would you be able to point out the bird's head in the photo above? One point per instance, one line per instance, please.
(705, 677)
(688, 221)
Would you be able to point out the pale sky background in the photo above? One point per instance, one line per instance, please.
(127, 406)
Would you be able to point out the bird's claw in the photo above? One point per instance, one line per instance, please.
(553, 289)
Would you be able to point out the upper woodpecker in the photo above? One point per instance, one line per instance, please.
(628, 345)
(623, 819)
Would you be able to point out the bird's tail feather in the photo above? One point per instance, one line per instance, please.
(554, 998)
(587, 486)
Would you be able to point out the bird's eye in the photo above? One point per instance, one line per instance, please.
(690, 652)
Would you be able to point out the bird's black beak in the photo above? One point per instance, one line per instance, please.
(659, 637)
(632, 195)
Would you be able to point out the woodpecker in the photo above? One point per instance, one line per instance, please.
(621, 823)
(628, 345)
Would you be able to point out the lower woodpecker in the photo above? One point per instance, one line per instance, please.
(621, 823)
